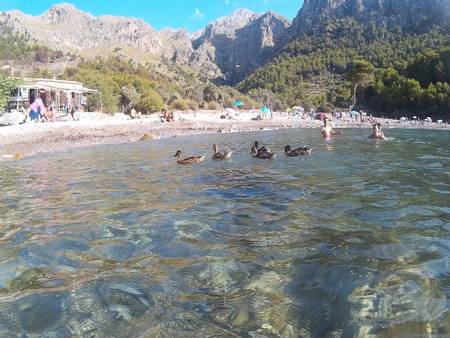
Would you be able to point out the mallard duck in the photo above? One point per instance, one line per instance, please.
(262, 153)
(305, 150)
(220, 156)
(189, 160)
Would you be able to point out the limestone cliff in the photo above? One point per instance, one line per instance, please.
(414, 15)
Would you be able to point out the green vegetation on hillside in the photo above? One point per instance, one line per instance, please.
(125, 85)
(13, 46)
(423, 88)
(312, 70)
(19, 47)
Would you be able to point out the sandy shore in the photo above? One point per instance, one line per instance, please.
(92, 129)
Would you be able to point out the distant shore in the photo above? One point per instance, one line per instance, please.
(21, 141)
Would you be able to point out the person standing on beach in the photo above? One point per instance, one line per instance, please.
(327, 130)
(73, 106)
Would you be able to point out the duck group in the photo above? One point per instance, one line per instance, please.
(256, 151)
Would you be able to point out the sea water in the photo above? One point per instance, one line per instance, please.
(120, 241)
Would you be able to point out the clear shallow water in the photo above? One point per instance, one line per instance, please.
(118, 241)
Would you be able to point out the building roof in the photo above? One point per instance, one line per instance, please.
(53, 84)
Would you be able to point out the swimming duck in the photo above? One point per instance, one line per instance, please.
(189, 160)
(220, 156)
(305, 150)
(262, 153)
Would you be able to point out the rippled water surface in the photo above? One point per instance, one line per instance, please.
(119, 241)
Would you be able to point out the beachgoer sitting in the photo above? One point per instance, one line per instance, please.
(37, 108)
(377, 134)
(327, 129)
(166, 116)
(48, 115)
(133, 114)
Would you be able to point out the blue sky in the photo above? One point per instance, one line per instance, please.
(190, 14)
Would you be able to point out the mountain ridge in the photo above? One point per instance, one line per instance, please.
(229, 48)
(408, 14)
(65, 27)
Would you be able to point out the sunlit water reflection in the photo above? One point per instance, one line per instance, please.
(119, 241)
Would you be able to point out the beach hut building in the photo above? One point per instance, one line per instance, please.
(58, 94)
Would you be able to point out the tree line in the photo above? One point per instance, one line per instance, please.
(408, 72)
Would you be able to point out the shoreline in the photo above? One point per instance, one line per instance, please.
(17, 142)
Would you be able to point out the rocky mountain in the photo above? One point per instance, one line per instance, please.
(250, 42)
(228, 48)
(64, 27)
(415, 15)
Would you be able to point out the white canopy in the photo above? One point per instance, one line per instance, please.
(53, 84)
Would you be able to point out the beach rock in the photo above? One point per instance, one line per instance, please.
(147, 137)
(18, 156)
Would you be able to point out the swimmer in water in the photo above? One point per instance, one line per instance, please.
(327, 130)
(377, 134)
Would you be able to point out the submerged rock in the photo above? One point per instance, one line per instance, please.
(116, 307)
(27, 280)
(35, 315)
(272, 308)
(393, 301)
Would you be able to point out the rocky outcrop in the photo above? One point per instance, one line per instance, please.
(415, 15)
(64, 27)
(242, 42)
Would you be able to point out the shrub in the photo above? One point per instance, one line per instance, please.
(228, 102)
(129, 97)
(41, 56)
(193, 105)
(248, 102)
(180, 104)
(210, 93)
(150, 102)
(7, 85)
(212, 105)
